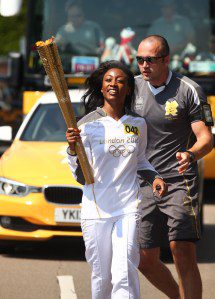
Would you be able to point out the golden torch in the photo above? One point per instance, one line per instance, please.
(52, 63)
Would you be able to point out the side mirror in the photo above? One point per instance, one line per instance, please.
(6, 133)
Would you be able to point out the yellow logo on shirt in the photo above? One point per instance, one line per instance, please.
(171, 108)
(129, 129)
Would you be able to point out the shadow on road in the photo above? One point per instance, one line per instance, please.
(50, 250)
(74, 249)
(209, 191)
(206, 247)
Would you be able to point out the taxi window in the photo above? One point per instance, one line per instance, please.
(47, 123)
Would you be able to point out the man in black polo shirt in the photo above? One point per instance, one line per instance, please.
(178, 136)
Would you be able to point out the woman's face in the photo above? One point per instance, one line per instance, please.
(115, 86)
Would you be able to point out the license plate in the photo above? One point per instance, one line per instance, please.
(67, 215)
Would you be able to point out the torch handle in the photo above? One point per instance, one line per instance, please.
(53, 67)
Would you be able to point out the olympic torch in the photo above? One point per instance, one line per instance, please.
(52, 63)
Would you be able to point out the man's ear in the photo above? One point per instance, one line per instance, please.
(167, 59)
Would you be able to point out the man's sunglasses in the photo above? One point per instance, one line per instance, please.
(149, 59)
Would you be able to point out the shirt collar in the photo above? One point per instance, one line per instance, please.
(103, 113)
(155, 91)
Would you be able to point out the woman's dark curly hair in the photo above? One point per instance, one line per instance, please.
(93, 97)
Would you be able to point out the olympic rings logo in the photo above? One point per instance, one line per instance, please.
(121, 150)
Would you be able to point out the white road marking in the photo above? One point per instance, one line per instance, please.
(67, 289)
(209, 210)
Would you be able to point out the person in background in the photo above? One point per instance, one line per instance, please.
(179, 134)
(177, 29)
(210, 54)
(79, 36)
(6, 100)
(115, 141)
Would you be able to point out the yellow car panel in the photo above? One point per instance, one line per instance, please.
(29, 99)
(39, 235)
(41, 231)
(50, 169)
(209, 159)
(209, 165)
(42, 162)
(39, 198)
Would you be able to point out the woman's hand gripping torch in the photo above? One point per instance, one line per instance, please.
(52, 63)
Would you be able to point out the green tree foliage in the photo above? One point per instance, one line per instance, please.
(11, 30)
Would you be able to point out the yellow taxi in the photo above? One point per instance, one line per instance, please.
(39, 198)
(209, 160)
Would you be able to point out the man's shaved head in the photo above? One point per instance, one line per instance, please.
(160, 41)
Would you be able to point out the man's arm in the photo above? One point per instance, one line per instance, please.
(204, 136)
(201, 147)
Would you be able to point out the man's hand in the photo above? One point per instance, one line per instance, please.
(183, 160)
(159, 186)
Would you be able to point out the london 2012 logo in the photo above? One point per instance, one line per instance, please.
(171, 108)
(121, 150)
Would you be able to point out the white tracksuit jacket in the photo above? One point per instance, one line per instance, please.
(116, 152)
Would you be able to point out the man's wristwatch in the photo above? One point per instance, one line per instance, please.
(192, 156)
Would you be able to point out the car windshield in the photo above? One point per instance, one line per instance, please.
(87, 31)
(47, 123)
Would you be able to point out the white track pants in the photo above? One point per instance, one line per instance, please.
(112, 250)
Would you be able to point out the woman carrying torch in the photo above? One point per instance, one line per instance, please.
(115, 140)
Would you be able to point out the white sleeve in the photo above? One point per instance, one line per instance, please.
(73, 160)
(144, 167)
(142, 162)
